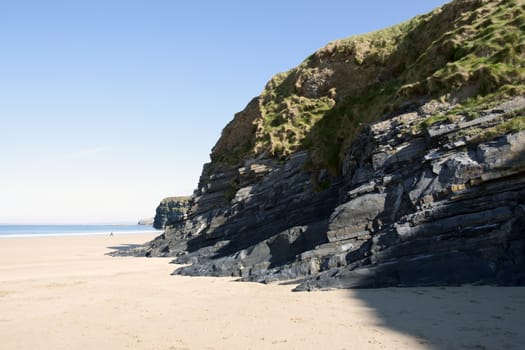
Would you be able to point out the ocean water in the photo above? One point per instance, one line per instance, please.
(71, 230)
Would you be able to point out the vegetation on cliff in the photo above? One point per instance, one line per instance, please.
(468, 51)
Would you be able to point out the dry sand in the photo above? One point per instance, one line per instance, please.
(64, 293)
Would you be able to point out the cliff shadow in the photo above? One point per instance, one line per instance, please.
(467, 317)
(124, 247)
(287, 228)
(460, 316)
(284, 249)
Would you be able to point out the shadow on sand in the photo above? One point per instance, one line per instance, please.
(124, 247)
(469, 317)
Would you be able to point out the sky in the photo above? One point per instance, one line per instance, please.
(108, 106)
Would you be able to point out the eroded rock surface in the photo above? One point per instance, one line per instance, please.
(171, 210)
(446, 212)
(411, 208)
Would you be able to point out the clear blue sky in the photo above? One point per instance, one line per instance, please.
(107, 106)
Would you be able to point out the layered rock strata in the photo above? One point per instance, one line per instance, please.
(413, 207)
(273, 215)
(391, 159)
(170, 211)
(439, 207)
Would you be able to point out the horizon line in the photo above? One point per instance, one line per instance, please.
(62, 223)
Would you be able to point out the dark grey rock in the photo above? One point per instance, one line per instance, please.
(171, 210)
(406, 211)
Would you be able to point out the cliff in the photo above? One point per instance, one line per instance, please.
(170, 211)
(391, 158)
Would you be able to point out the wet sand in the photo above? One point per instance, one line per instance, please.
(64, 293)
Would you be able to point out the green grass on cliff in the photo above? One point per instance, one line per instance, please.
(483, 58)
(287, 122)
(473, 106)
(471, 51)
(512, 123)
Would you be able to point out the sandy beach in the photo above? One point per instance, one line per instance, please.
(64, 293)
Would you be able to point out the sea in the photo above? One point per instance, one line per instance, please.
(12, 231)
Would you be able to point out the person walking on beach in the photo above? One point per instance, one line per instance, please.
(111, 234)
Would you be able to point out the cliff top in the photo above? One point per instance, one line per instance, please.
(175, 199)
(467, 50)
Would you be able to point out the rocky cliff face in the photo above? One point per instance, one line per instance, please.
(443, 206)
(394, 158)
(170, 211)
